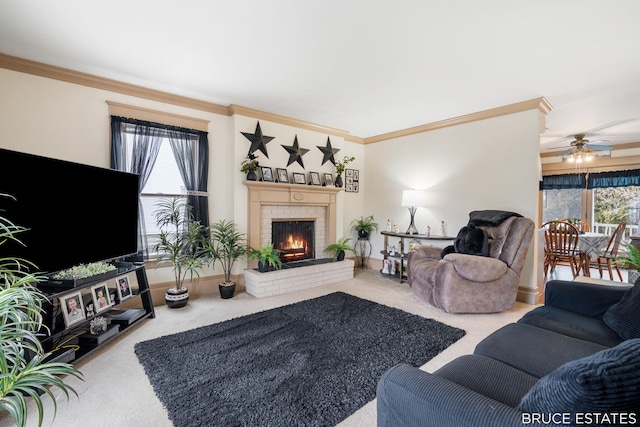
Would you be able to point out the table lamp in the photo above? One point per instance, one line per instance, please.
(413, 199)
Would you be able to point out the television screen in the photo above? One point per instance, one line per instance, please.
(75, 213)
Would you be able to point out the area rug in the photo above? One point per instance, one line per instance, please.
(312, 363)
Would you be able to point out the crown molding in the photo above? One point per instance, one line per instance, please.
(70, 76)
(540, 104)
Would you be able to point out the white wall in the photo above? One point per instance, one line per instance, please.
(488, 164)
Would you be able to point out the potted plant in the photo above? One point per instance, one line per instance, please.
(266, 256)
(23, 366)
(364, 226)
(180, 236)
(340, 166)
(339, 248)
(226, 245)
(249, 166)
(630, 261)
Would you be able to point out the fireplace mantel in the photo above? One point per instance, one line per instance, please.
(279, 194)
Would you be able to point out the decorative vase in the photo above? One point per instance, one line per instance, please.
(176, 298)
(340, 256)
(227, 289)
(339, 181)
(263, 267)
(363, 234)
(251, 175)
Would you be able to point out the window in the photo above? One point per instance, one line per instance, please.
(171, 161)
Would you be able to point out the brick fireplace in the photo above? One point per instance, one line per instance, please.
(270, 202)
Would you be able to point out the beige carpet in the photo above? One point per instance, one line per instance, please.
(116, 391)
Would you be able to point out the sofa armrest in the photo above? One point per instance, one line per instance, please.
(426, 251)
(408, 396)
(584, 298)
(476, 268)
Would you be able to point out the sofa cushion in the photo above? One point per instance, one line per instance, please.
(488, 377)
(608, 381)
(572, 324)
(519, 345)
(624, 316)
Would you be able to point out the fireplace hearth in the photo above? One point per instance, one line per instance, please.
(295, 239)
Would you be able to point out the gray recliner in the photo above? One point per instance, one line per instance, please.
(462, 283)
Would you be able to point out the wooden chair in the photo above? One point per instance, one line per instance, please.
(561, 246)
(611, 253)
(579, 223)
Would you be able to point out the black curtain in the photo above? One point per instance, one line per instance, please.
(614, 179)
(563, 182)
(190, 148)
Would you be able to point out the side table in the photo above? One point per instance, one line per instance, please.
(401, 255)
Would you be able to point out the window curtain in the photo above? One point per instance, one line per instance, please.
(614, 179)
(191, 150)
(138, 159)
(563, 182)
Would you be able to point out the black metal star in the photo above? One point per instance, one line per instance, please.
(328, 153)
(295, 152)
(258, 140)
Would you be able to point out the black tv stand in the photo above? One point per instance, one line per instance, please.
(73, 343)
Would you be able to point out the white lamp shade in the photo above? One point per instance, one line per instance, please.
(414, 198)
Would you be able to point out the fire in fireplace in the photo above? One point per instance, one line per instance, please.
(294, 238)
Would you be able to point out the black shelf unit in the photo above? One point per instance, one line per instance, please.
(74, 343)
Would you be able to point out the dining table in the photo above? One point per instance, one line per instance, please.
(591, 245)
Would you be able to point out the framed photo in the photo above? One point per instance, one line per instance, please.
(101, 298)
(298, 178)
(352, 180)
(283, 175)
(72, 308)
(328, 180)
(124, 288)
(315, 178)
(267, 174)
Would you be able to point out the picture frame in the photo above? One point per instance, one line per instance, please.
(267, 173)
(72, 308)
(314, 178)
(328, 180)
(352, 180)
(101, 297)
(123, 285)
(299, 178)
(283, 175)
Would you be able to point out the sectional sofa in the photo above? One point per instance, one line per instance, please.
(573, 361)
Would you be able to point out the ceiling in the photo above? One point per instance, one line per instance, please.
(364, 66)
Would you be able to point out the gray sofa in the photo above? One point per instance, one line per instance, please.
(578, 354)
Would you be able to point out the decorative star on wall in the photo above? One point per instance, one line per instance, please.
(258, 140)
(328, 152)
(295, 152)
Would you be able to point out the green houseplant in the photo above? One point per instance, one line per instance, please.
(180, 236)
(364, 226)
(226, 245)
(340, 166)
(249, 166)
(630, 261)
(24, 373)
(339, 248)
(266, 256)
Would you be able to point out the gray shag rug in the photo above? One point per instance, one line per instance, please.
(312, 363)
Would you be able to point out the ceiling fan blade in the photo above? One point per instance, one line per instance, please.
(559, 140)
(610, 125)
(564, 153)
(601, 147)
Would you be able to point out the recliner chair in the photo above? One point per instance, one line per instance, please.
(463, 283)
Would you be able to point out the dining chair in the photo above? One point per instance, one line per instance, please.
(561, 246)
(579, 223)
(610, 254)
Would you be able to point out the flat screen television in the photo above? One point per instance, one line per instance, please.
(74, 213)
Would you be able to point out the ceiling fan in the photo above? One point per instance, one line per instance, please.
(582, 150)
